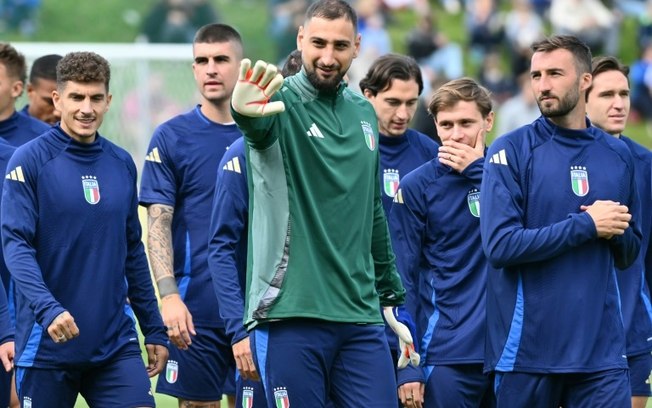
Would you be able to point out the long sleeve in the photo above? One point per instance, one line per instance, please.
(19, 220)
(228, 241)
(505, 239)
(6, 329)
(140, 289)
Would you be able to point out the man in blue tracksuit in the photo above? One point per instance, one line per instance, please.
(72, 243)
(559, 214)
(607, 105)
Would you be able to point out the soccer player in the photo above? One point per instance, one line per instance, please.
(435, 226)
(72, 242)
(559, 213)
(42, 82)
(607, 105)
(319, 260)
(177, 188)
(15, 128)
(393, 85)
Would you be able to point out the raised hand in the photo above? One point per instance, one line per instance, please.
(254, 89)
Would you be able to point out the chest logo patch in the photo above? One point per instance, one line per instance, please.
(91, 189)
(369, 136)
(391, 179)
(579, 180)
(473, 200)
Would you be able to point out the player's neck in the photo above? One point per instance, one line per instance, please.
(217, 113)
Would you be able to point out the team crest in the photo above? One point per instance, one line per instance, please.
(473, 200)
(91, 189)
(390, 182)
(369, 136)
(27, 402)
(579, 180)
(172, 371)
(281, 398)
(247, 397)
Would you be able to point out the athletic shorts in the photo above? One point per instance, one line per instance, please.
(198, 373)
(5, 387)
(640, 367)
(462, 385)
(122, 382)
(315, 363)
(602, 389)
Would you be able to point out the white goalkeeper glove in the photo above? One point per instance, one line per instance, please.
(401, 323)
(254, 88)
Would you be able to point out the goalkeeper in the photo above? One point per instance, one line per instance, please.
(319, 259)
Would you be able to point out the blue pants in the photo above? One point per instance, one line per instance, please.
(639, 373)
(313, 363)
(460, 385)
(603, 389)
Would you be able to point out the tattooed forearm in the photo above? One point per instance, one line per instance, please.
(159, 247)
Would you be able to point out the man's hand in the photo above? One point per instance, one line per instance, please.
(244, 360)
(610, 218)
(401, 323)
(7, 353)
(411, 394)
(459, 156)
(254, 88)
(157, 357)
(63, 328)
(177, 320)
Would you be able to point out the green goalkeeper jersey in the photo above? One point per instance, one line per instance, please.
(319, 245)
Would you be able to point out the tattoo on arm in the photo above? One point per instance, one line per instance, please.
(159, 247)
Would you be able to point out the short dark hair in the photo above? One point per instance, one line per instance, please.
(604, 64)
(462, 89)
(581, 52)
(84, 67)
(218, 33)
(44, 67)
(332, 10)
(292, 65)
(389, 67)
(13, 61)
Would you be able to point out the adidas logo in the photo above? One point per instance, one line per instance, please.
(153, 156)
(233, 165)
(499, 158)
(16, 175)
(314, 131)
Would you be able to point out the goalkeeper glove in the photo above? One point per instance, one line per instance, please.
(254, 88)
(401, 323)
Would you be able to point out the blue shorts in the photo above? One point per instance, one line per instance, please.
(458, 385)
(603, 389)
(311, 363)
(640, 367)
(122, 382)
(5, 386)
(200, 372)
(249, 394)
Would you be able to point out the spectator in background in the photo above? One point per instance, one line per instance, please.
(176, 21)
(20, 15)
(494, 77)
(522, 26)
(589, 20)
(42, 82)
(433, 51)
(518, 110)
(285, 16)
(640, 76)
(484, 27)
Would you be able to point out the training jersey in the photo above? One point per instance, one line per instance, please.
(6, 327)
(553, 304)
(180, 171)
(318, 238)
(633, 282)
(399, 155)
(72, 241)
(19, 129)
(6, 151)
(435, 229)
(227, 249)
